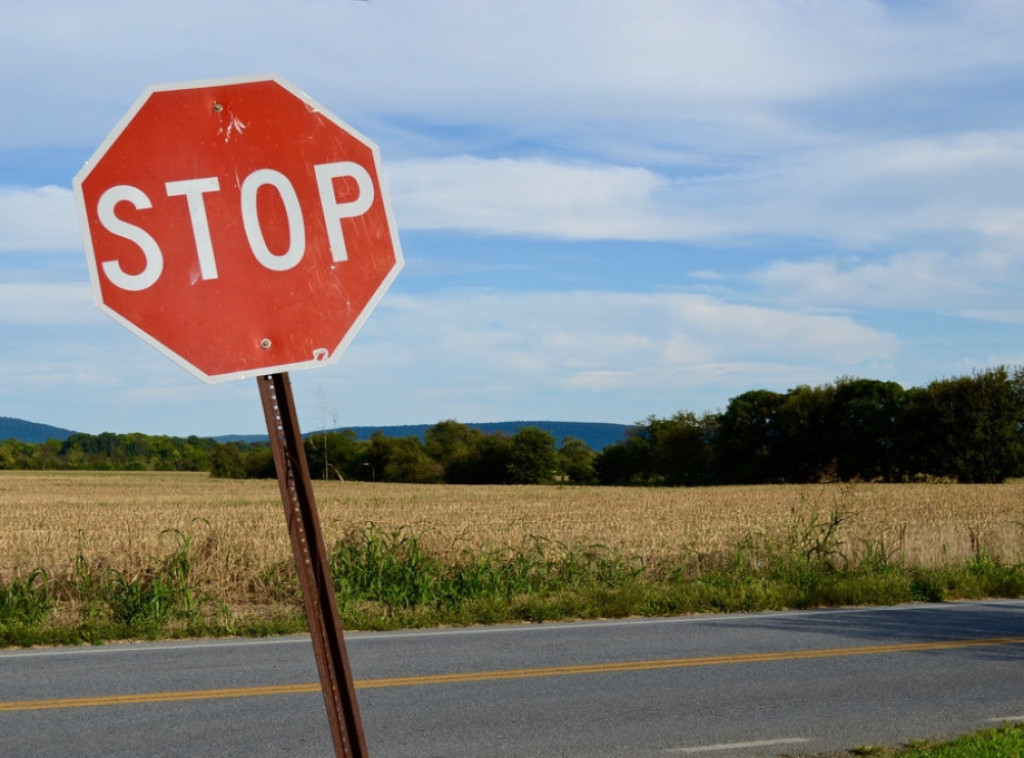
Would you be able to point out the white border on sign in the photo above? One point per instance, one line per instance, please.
(94, 273)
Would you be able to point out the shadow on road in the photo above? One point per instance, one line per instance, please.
(905, 624)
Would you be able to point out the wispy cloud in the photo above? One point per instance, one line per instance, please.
(68, 304)
(37, 219)
(593, 340)
(854, 193)
(535, 197)
(565, 68)
(926, 279)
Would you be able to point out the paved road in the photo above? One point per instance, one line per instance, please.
(748, 685)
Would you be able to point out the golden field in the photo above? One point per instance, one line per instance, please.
(120, 520)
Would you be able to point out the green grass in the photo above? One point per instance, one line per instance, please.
(157, 602)
(1006, 741)
(386, 579)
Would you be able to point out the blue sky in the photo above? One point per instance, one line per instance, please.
(607, 209)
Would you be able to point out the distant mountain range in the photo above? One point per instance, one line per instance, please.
(597, 436)
(27, 431)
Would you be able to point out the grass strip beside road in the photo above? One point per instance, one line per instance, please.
(389, 580)
(1006, 741)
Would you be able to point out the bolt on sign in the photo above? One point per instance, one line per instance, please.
(245, 231)
(237, 226)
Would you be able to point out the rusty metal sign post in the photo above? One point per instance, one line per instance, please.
(311, 563)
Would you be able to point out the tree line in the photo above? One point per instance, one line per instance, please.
(110, 451)
(968, 429)
(449, 452)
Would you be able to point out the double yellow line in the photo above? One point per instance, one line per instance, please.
(509, 674)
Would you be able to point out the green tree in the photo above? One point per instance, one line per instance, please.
(453, 446)
(448, 440)
(629, 462)
(408, 462)
(46, 455)
(333, 455)
(487, 463)
(802, 442)
(748, 439)
(684, 448)
(865, 422)
(197, 452)
(576, 461)
(259, 462)
(226, 462)
(533, 458)
(968, 428)
(398, 459)
(15, 454)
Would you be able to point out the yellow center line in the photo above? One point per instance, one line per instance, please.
(156, 697)
(488, 676)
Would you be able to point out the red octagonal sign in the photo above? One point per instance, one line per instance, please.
(237, 226)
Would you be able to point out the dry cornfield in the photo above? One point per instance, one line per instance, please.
(125, 521)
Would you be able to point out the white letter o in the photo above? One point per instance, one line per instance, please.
(251, 222)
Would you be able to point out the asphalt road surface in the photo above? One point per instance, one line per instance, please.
(740, 685)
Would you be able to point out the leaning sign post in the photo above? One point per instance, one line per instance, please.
(244, 231)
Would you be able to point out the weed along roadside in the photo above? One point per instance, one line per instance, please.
(89, 557)
(1005, 741)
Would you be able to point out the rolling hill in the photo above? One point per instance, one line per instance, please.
(28, 431)
(597, 436)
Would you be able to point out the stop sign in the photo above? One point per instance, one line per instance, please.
(237, 226)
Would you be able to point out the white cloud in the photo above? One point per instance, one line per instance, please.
(870, 191)
(864, 192)
(927, 279)
(535, 197)
(1003, 316)
(40, 219)
(568, 339)
(583, 355)
(851, 192)
(25, 303)
(559, 66)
